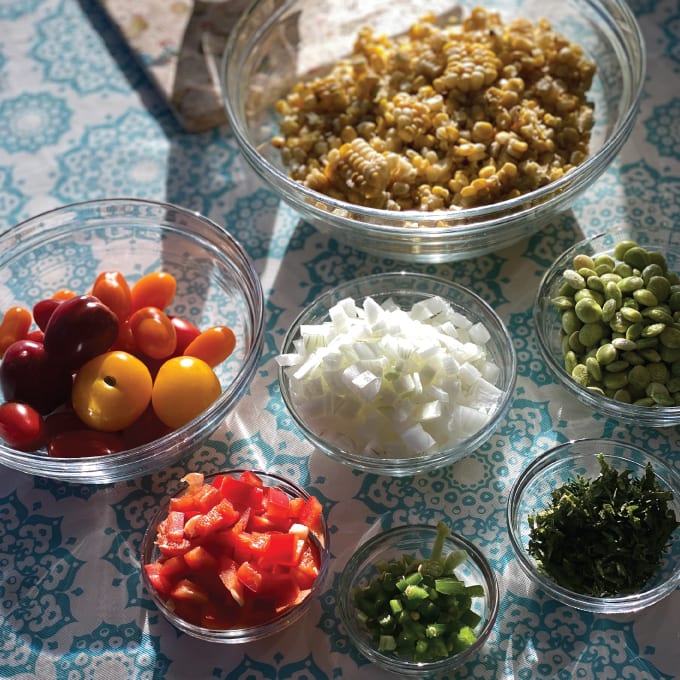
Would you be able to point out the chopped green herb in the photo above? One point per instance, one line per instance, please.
(419, 609)
(603, 536)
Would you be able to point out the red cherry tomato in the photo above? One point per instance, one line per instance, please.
(84, 443)
(185, 332)
(14, 326)
(62, 420)
(156, 289)
(153, 332)
(184, 387)
(112, 289)
(213, 345)
(147, 428)
(43, 310)
(21, 426)
(125, 340)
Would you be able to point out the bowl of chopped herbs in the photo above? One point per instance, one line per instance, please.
(418, 599)
(596, 524)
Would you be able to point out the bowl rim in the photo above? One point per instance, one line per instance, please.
(385, 539)
(413, 464)
(621, 604)
(652, 416)
(147, 549)
(627, 30)
(143, 459)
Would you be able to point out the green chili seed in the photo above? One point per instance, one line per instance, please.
(617, 366)
(652, 270)
(622, 395)
(615, 381)
(638, 377)
(583, 261)
(658, 314)
(650, 354)
(604, 261)
(594, 282)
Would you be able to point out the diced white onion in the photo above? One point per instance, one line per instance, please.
(387, 382)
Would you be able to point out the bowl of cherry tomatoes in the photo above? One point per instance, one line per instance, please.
(129, 330)
(235, 556)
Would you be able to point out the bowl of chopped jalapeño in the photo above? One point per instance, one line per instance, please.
(595, 523)
(418, 599)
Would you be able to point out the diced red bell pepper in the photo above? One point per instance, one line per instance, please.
(186, 589)
(220, 516)
(161, 584)
(281, 550)
(311, 515)
(277, 508)
(170, 547)
(229, 577)
(249, 477)
(241, 494)
(173, 525)
(249, 576)
(307, 569)
(200, 559)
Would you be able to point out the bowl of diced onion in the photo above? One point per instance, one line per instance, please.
(398, 373)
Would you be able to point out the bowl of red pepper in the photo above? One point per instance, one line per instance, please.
(129, 330)
(595, 523)
(418, 600)
(235, 556)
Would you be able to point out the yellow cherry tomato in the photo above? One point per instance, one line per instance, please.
(111, 391)
(184, 387)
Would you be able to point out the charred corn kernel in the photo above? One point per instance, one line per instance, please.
(484, 109)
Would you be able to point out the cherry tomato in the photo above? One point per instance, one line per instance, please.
(112, 289)
(184, 388)
(153, 332)
(64, 294)
(156, 289)
(147, 428)
(84, 443)
(111, 391)
(125, 339)
(213, 345)
(14, 326)
(185, 332)
(43, 310)
(62, 420)
(21, 426)
(79, 329)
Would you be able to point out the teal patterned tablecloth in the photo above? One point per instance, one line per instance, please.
(80, 119)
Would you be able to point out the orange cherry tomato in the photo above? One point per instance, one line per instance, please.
(15, 325)
(113, 290)
(153, 332)
(156, 289)
(213, 345)
(64, 294)
(184, 387)
(111, 391)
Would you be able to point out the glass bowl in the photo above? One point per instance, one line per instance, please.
(416, 540)
(275, 44)
(319, 538)
(349, 444)
(216, 284)
(548, 323)
(531, 493)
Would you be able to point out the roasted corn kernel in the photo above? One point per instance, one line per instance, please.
(469, 113)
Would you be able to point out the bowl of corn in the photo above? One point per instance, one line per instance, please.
(432, 135)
